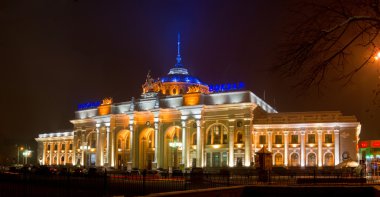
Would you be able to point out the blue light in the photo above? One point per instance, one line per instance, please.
(89, 105)
(226, 87)
(181, 78)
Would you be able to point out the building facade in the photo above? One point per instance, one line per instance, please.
(179, 121)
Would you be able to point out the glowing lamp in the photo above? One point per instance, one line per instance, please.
(377, 56)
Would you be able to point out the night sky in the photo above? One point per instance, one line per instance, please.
(57, 54)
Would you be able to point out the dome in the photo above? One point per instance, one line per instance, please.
(181, 78)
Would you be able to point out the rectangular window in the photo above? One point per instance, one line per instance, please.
(294, 139)
(63, 146)
(328, 138)
(55, 146)
(263, 139)
(71, 147)
(278, 139)
(311, 138)
(48, 146)
(225, 138)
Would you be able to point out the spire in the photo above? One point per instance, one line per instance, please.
(179, 64)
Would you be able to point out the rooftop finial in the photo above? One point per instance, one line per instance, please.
(178, 64)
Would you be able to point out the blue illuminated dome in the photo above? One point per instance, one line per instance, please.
(176, 77)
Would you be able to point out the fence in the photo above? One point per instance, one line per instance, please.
(118, 183)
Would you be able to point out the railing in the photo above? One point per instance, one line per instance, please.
(127, 184)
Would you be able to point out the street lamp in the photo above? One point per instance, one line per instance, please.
(377, 56)
(175, 144)
(26, 154)
(18, 154)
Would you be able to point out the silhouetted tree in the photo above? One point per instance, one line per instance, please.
(327, 32)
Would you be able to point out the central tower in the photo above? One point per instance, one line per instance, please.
(178, 81)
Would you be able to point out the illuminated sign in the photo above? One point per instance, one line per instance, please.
(363, 144)
(89, 105)
(375, 143)
(226, 87)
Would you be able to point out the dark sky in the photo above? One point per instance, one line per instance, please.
(57, 54)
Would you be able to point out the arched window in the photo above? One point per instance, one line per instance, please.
(194, 139)
(329, 159)
(294, 159)
(239, 137)
(311, 159)
(119, 143)
(209, 134)
(278, 161)
(217, 134)
(127, 142)
(150, 140)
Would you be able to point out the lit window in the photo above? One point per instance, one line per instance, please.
(278, 139)
(328, 138)
(263, 139)
(294, 139)
(239, 138)
(311, 138)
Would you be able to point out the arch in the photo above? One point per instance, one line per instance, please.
(91, 142)
(62, 161)
(328, 159)
(217, 133)
(70, 160)
(294, 159)
(47, 160)
(311, 159)
(123, 148)
(146, 152)
(278, 159)
(173, 155)
(55, 160)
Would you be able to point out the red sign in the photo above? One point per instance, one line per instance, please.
(375, 143)
(363, 144)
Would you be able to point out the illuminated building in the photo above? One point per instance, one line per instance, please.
(210, 126)
(369, 154)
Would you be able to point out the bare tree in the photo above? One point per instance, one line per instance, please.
(327, 39)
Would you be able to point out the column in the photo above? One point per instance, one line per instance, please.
(83, 143)
(113, 147)
(199, 143)
(184, 144)
(286, 147)
(66, 151)
(319, 148)
(43, 153)
(74, 150)
(51, 153)
(336, 143)
(270, 141)
(302, 148)
(132, 145)
(108, 152)
(156, 145)
(231, 145)
(255, 139)
(59, 145)
(98, 148)
(247, 146)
